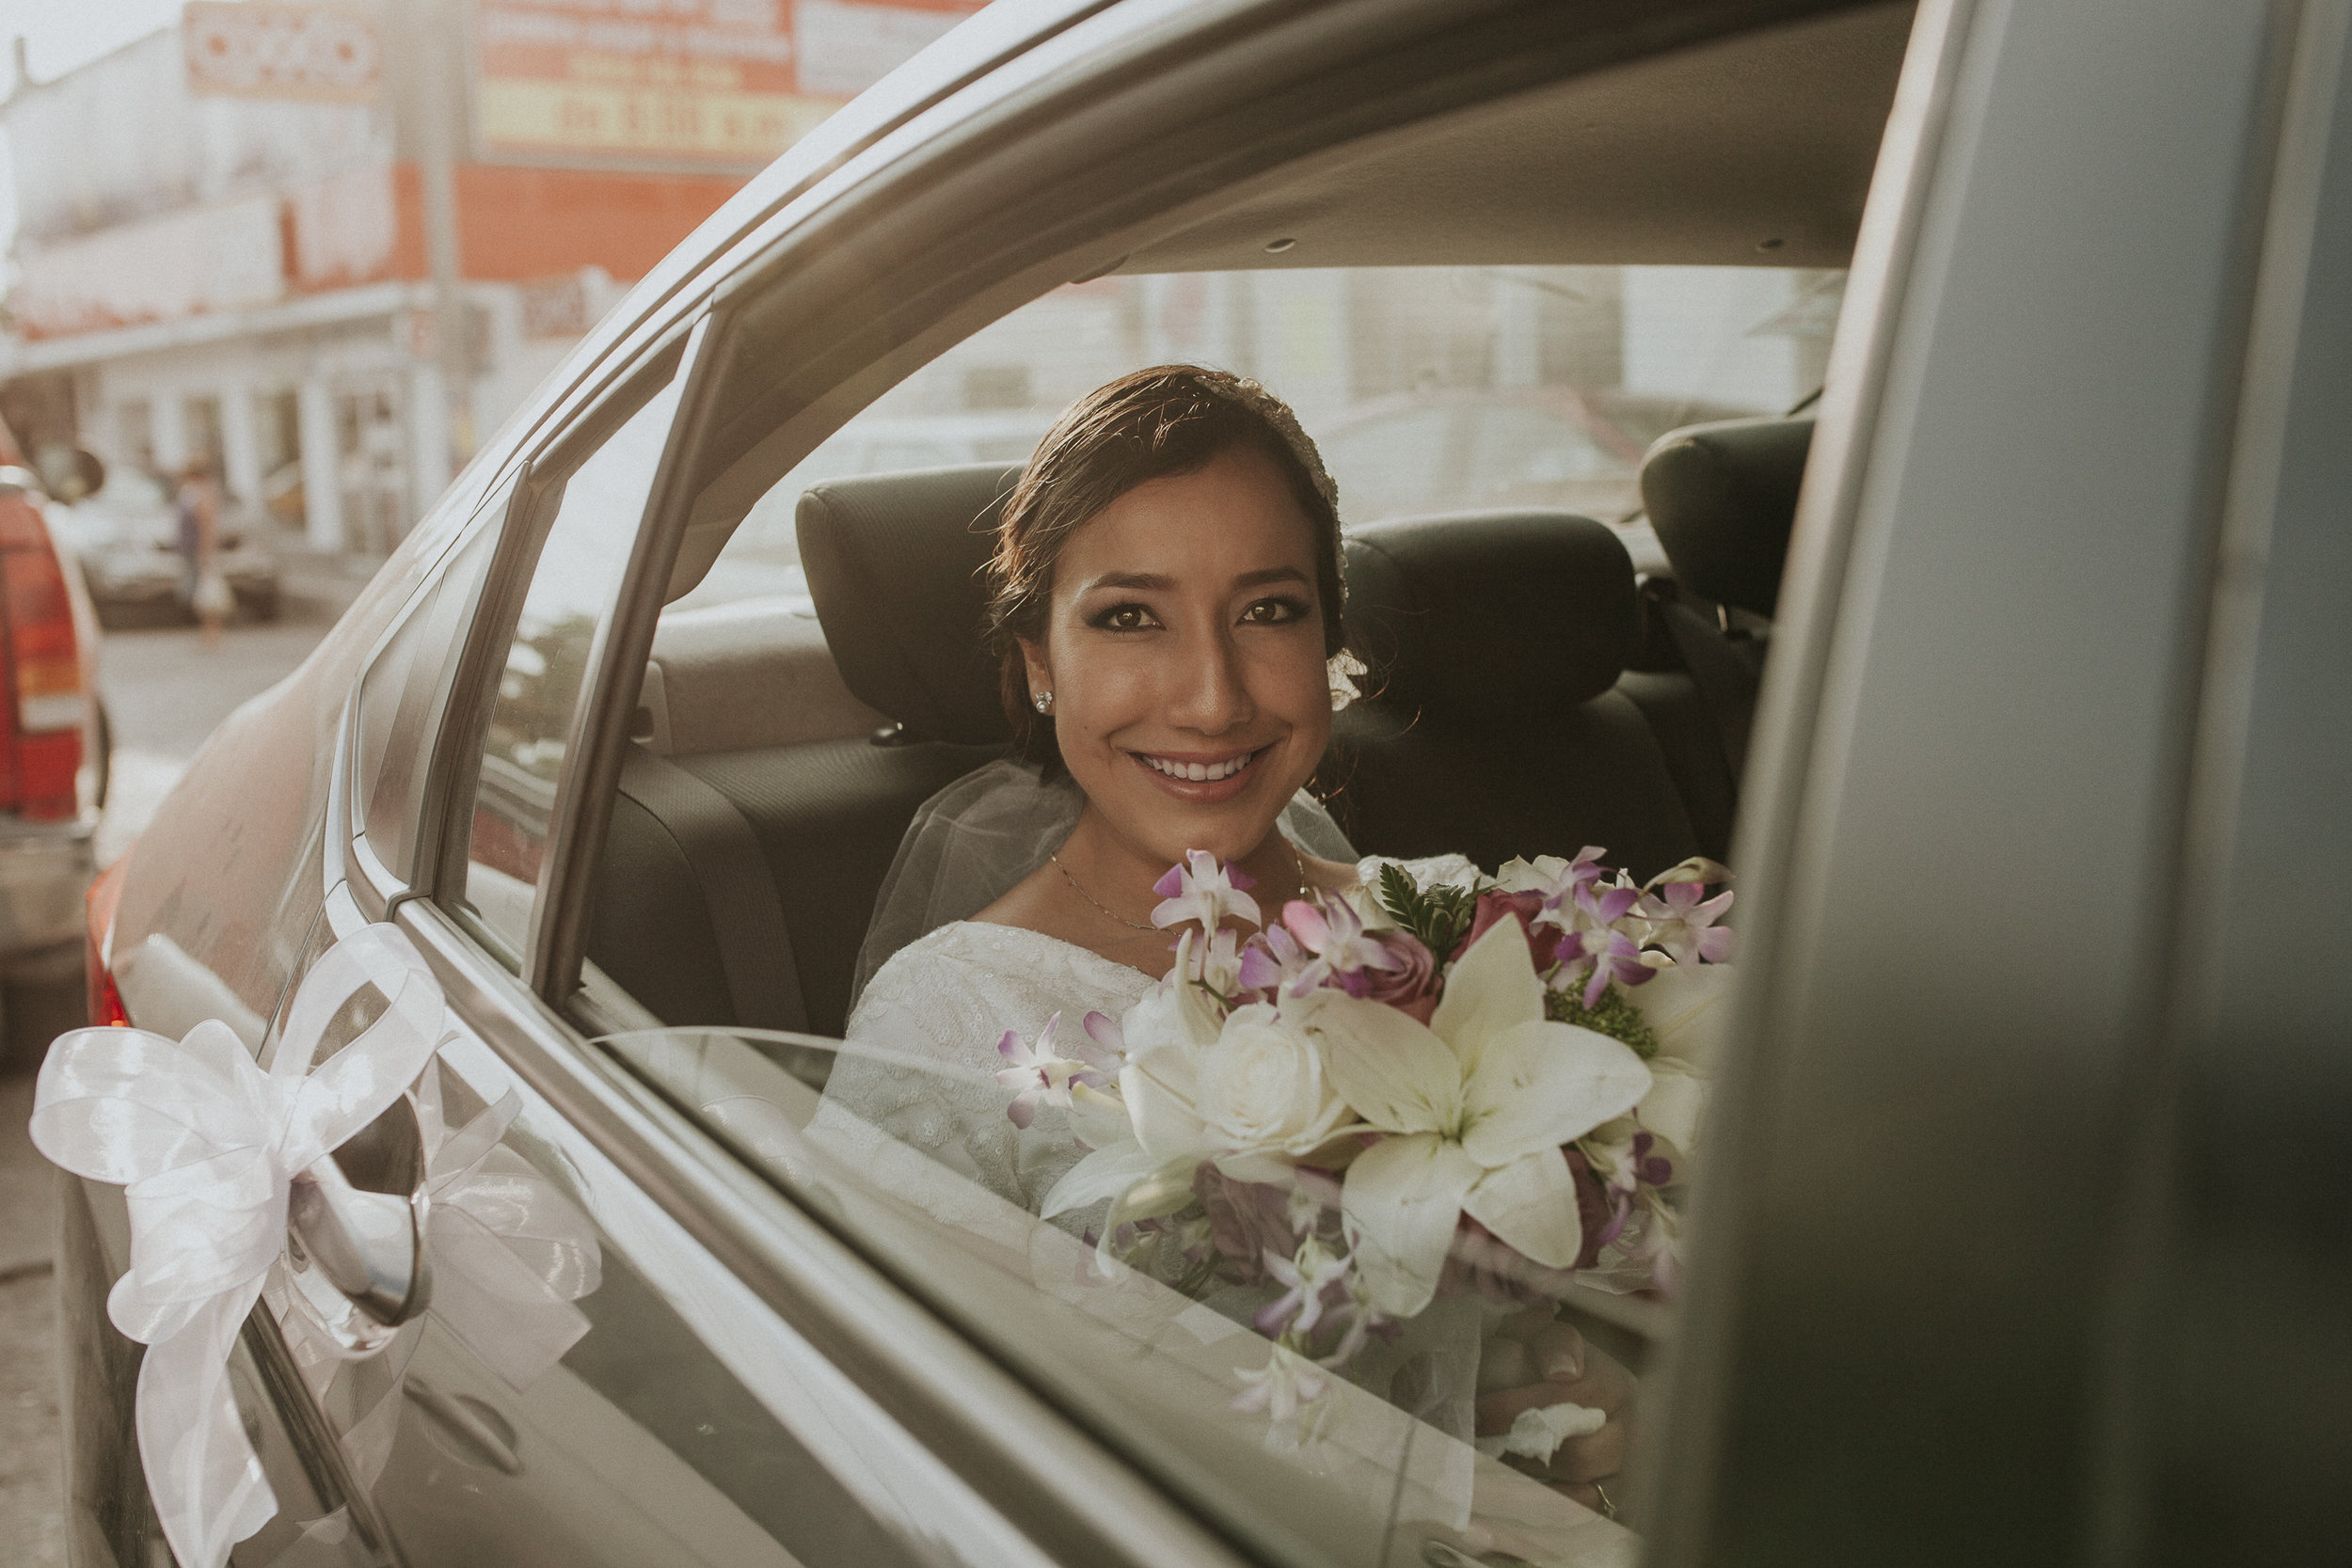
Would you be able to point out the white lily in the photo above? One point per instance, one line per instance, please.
(1477, 1105)
(1684, 1007)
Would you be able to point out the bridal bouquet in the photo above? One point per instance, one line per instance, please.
(1396, 1094)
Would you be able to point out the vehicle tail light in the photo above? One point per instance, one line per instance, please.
(105, 1002)
(45, 702)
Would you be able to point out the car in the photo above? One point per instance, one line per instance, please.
(126, 537)
(2019, 1237)
(53, 759)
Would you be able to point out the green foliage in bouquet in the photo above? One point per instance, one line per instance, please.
(1440, 916)
(1616, 1017)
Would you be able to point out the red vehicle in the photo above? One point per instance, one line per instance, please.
(52, 754)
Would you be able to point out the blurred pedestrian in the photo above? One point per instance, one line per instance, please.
(203, 589)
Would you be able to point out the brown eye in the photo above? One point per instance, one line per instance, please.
(1273, 612)
(1121, 617)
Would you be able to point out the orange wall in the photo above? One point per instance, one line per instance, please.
(520, 223)
(516, 223)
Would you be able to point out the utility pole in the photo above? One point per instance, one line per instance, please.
(440, 55)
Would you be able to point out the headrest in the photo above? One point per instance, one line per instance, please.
(895, 564)
(1723, 497)
(1489, 614)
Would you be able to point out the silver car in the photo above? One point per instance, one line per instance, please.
(127, 536)
(2023, 1237)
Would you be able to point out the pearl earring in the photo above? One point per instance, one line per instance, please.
(1044, 701)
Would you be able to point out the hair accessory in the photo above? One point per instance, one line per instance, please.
(1339, 670)
(1044, 701)
(1277, 413)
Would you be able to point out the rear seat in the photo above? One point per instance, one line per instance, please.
(738, 884)
(1502, 718)
(892, 565)
(1722, 499)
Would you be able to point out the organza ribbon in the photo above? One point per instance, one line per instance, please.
(206, 1146)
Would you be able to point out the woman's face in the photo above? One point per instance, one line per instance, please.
(1184, 648)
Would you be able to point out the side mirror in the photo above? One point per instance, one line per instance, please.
(68, 474)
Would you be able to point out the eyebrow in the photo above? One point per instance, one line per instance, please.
(1153, 582)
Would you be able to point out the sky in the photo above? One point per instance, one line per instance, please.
(61, 34)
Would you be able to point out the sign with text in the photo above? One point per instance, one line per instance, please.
(718, 82)
(310, 53)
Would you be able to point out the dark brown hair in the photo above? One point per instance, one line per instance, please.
(1148, 424)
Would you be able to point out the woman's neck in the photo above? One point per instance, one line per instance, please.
(1120, 874)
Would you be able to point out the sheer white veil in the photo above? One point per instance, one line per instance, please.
(971, 841)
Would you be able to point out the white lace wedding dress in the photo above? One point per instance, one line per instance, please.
(920, 1059)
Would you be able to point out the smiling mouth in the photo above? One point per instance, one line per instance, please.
(1199, 772)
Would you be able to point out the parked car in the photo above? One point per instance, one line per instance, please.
(127, 537)
(53, 757)
(2022, 1237)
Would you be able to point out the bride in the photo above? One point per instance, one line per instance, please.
(1166, 606)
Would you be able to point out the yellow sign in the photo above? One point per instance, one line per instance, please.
(721, 82)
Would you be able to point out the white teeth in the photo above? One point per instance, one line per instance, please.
(1199, 772)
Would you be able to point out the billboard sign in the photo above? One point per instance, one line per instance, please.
(311, 52)
(725, 82)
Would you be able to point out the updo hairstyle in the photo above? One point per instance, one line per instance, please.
(1148, 424)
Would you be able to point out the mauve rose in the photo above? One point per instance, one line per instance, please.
(1412, 987)
(1492, 906)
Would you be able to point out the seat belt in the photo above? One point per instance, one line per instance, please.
(731, 873)
(1727, 682)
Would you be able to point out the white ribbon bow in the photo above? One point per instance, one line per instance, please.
(207, 1147)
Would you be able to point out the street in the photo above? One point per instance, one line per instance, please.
(164, 693)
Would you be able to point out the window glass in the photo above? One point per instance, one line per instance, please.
(402, 696)
(1163, 1331)
(1429, 390)
(588, 522)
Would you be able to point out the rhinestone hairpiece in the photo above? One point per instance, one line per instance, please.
(1255, 398)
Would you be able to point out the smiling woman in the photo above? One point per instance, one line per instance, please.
(1166, 610)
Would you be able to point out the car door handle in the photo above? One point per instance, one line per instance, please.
(359, 1216)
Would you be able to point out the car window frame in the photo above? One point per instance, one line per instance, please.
(442, 841)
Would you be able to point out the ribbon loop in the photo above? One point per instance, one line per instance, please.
(207, 1145)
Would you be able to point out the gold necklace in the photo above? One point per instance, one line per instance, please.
(1108, 913)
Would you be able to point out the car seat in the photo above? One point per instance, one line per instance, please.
(736, 885)
(1722, 499)
(1502, 719)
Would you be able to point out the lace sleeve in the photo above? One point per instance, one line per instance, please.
(920, 1061)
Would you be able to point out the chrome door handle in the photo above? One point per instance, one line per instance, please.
(357, 1218)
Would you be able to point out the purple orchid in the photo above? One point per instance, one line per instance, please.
(1596, 948)
(1682, 922)
(1042, 1075)
(1200, 887)
(1345, 956)
(1272, 961)
(1305, 1278)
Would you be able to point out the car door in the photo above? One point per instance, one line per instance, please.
(595, 1386)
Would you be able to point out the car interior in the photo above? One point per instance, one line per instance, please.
(1532, 691)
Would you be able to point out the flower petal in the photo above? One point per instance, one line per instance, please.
(1543, 1083)
(1492, 988)
(1685, 1005)
(1675, 1105)
(1530, 1205)
(1401, 1199)
(1396, 1074)
(1105, 1173)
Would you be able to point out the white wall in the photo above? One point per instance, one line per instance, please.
(1690, 333)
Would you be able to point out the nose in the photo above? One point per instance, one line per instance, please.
(1211, 692)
